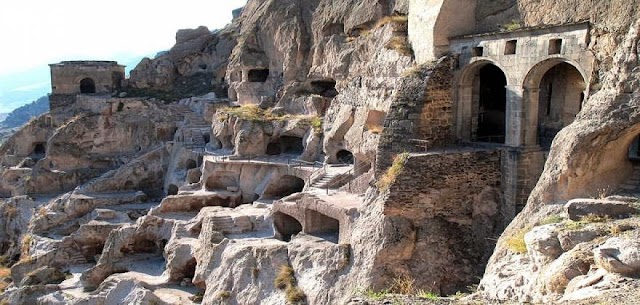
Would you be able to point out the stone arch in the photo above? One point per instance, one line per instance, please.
(554, 91)
(482, 98)
(282, 187)
(286, 226)
(87, 86)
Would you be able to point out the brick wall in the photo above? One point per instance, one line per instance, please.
(454, 204)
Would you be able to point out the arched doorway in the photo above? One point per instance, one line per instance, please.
(482, 100)
(559, 101)
(87, 86)
(490, 104)
(554, 91)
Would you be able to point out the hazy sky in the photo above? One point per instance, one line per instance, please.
(36, 33)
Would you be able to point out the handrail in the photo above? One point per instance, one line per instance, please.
(344, 176)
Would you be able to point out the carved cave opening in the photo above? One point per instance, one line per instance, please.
(172, 190)
(322, 226)
(286, 226)
(258, 75)
(325, 88)
(40, 150)
(87, 86)
(282, 187)
(285, 145)
(345, 157)
(191, 164)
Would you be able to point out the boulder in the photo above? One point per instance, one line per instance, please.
(543, 245)
(619, 255)
(42, 276)
(577, 208)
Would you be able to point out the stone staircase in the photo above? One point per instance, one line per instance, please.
(105, 288)
(223, 223)
(632, 185)
(194, 127)
(324, 180)
(333, 177)
(76, 258)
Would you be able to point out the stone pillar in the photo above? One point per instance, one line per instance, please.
(515, 120)
(530, 101)
(464, 114)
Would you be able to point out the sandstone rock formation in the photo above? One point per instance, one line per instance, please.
(314, 150)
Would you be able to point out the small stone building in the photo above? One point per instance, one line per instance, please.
(70, 78)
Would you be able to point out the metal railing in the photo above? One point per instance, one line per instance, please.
(345, 178)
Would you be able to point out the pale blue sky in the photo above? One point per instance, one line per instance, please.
(36, 33)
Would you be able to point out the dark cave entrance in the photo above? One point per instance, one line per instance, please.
(191, 164)
(286, 226)
(491, 102)
(258, 75)
(345, 157)
(40, 149)
(172, 190)
(286, 145)
(325, 88)
(282, 187)
(87, 86)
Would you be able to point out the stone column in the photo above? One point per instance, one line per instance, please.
(530, 101)
(515, 120)
(464, 113)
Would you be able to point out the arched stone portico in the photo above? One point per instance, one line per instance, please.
(525, 57)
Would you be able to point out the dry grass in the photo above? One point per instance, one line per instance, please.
(286, 280)
(224, 295)
(516, 243)
(5, 274)
(403, 285)
(373, 128)
(10, 212)
(400, 44)
(512, 25)
(551, 219)
(256, 114)
(391, 19)
(392, 173)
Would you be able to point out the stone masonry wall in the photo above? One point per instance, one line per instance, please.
(453, 202)
(421, 110)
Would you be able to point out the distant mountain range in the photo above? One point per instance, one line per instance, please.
(10, 122)
(18, 89)
(23, 114)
